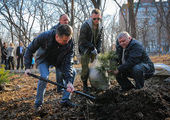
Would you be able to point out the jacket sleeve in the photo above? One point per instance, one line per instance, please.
(67, 65)
(84, 43)
(135, 56)
(31, 49)
(99, 38)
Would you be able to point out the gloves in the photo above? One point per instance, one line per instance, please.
(70, 87)
(94, 52)
(27, 71)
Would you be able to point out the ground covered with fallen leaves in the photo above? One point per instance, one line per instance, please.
(150, 103)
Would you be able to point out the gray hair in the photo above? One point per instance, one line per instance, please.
(123, 34)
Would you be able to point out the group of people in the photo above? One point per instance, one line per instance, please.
(8, 56)
(55, 48)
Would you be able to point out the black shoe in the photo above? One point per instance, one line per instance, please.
(60, 90)
(67, 103)
(38, 108)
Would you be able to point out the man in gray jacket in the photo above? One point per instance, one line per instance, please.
(89, 43)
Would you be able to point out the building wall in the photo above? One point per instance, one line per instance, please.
(147, 25)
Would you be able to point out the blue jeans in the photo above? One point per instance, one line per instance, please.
(139, 73)
(41, 87)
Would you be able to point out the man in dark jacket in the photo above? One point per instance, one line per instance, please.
(64, 19)
(4, 55)
(134, 62)
(55, 47)
(89, 43)
(20, 55)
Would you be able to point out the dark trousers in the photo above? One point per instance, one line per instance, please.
(11, 63)
(85, 60)
(5, 62)
(139, 73)
(20, 60)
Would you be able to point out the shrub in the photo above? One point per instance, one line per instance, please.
(4, 75)
(108, 61)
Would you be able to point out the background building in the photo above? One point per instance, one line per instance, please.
(151, 24)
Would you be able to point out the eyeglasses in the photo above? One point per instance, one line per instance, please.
(96, 18)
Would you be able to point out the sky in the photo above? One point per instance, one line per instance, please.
(112, 7)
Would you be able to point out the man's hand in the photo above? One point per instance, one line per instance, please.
(70, 87)
(94, 52)
(27, 71)
(93, 55)
(115, 72)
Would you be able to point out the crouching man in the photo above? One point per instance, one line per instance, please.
(54, 48)
(134, 62)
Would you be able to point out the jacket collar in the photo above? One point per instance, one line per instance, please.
(90, 23)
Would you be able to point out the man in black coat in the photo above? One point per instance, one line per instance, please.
(20, 55)
(133, 62)
(4, 55)
(89, 43)
(64, 19)
(55, 47)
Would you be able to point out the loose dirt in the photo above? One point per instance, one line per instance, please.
(150, 103)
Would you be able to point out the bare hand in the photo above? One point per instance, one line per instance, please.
(70, 87)
(116, 71)
(27, 71)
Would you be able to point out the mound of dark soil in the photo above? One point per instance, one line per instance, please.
(132, 105)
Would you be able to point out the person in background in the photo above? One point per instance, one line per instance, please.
(10, 51)
(89, 43)
(133, 62)
(4, 55)
(20, 54)
(55, 47)
(33, 62)
(64, 19)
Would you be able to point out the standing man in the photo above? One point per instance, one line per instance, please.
(55, 47)
(20, 54)
(64, 19)
(89, 43)
(4, 55)
(134, 62)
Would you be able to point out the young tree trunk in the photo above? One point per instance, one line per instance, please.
(132, 22)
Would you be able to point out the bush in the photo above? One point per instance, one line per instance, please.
(108, 61)
(4, 75)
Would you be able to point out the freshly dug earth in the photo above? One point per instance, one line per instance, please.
(149, 103)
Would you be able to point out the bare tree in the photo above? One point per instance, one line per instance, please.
(96, 3)
(132, 13)
(163, 18)
(18, 18)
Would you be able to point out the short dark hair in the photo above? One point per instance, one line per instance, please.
(62, 15)
(96, 11)
(64, 29)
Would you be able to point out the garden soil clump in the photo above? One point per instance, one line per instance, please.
(149, 103)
